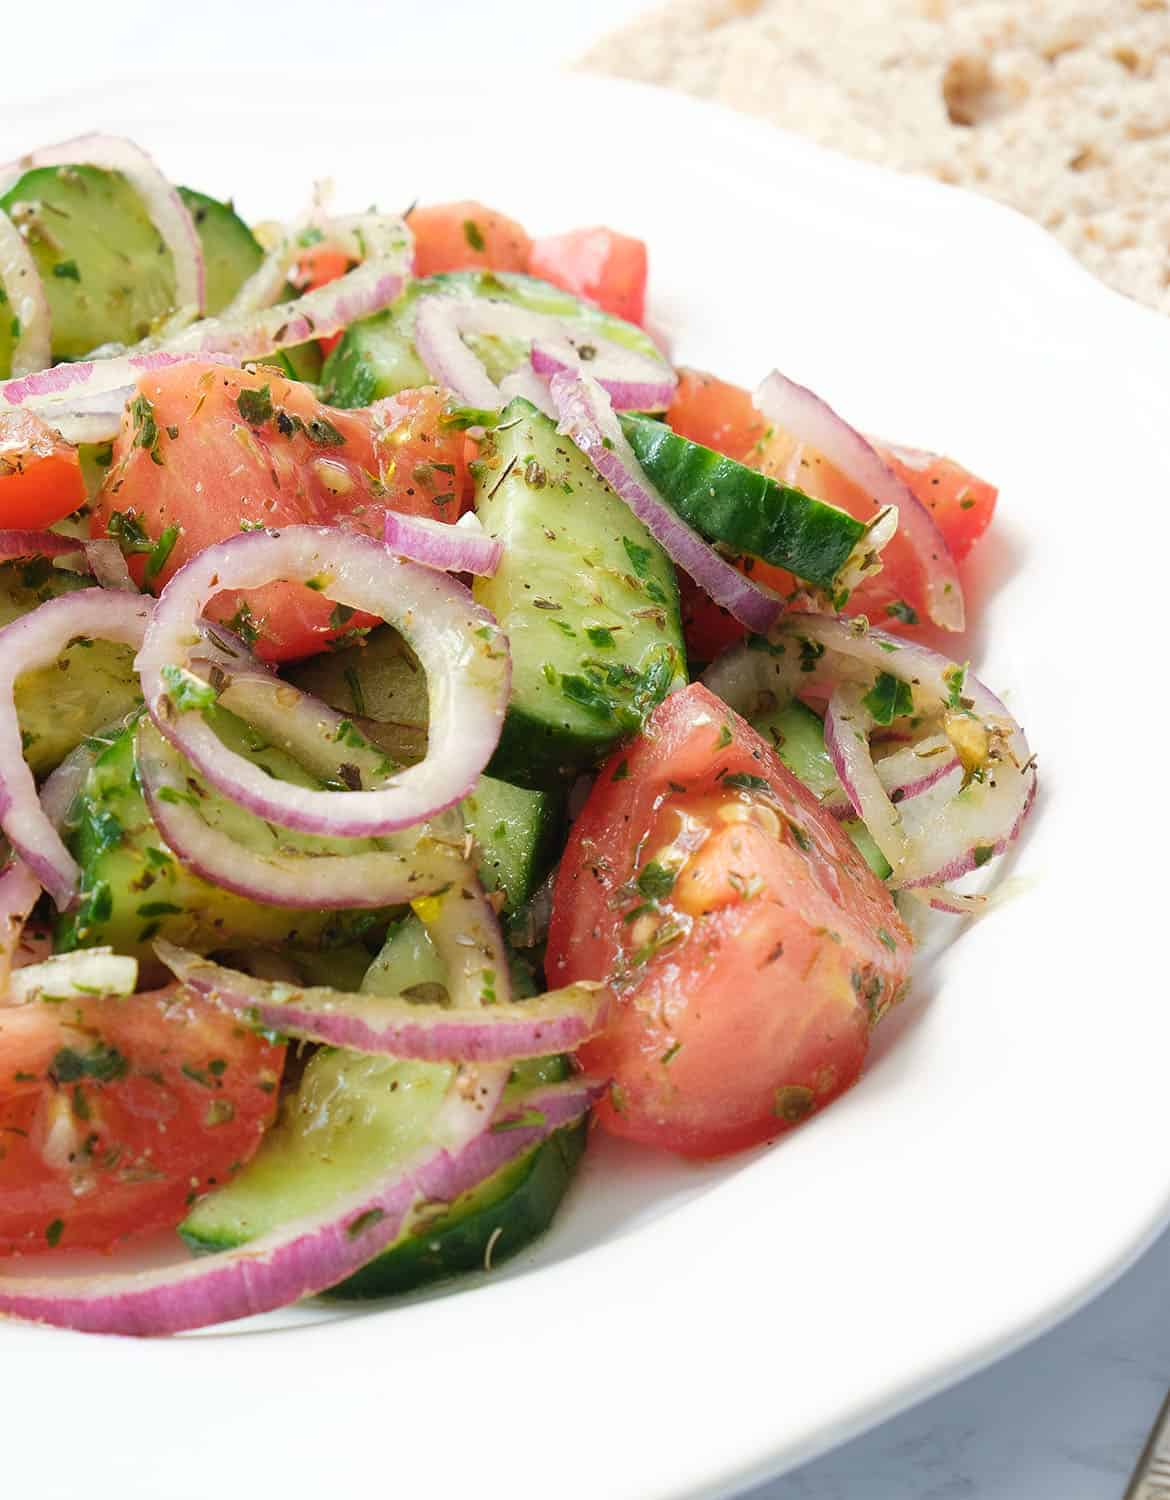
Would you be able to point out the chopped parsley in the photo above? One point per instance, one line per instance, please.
(473, 235)
(102, 1063)
(900, 610)
(655, 881)
(890, 698)
(255, 406)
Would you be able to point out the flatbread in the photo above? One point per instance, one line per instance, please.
(1060, 108)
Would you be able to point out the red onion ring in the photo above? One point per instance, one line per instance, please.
(84, 401)
(634, 381)
(36, 640)
(164, 207)
(459, 644)
(21, 283)
(908, 773)
(812, 421)
(461, 548)
(316, 1251)
(587, 417)
(390, 1025)
(359, 237)
(364, 880)
(465, 933)
(935, 841)
(650, 388)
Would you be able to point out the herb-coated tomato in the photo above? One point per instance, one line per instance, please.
(751, 948)
(40, 476)
(116, 1113)
(606, 267)
(721, 416)
(465, 237)
(206, 451)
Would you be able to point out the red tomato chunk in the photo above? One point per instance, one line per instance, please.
(751, 947)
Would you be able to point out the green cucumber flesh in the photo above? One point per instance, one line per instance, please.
(91, 684)
(378, 683)
(742, 509)
(107, 275)
(798, 736)
(134, 890)
(377, 357)
(351, 1111)
(587, 598)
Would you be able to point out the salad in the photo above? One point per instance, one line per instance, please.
(432, 725)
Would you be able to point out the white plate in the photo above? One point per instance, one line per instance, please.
(686, 1330)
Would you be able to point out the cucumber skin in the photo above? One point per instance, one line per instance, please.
(745, 510)
(520, 1201)
(377, 357)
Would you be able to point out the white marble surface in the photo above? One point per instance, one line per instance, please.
(1063, 1419)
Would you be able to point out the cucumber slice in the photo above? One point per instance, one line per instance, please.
(377, 357)
(349, 1108)
(107, 275)
(799, 737)
(745, 510)
(91, 684)
(588, 599)
(379, 683)
(133, 889)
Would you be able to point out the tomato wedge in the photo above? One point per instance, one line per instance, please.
(116, 1113)
(750, 945)
(600, 264)
(40, 476)
(206, 451)
(317, 267)
(721, 416)
(465, 236)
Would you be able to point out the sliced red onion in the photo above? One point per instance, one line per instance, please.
(164, 207)
(316, 1251)
(108, 565)
(25, 301)
(465, 933)
(393, 1026)
(645, 385)
(936, 837)
(958, 904)
(524, 381)
(634, 381)
(462, 548)
(70, 976)
(461, 648)
(84, 401)
(808, 419)
(15, 544)
(36, 640)
(908, 773)
(847, 729)
(359, 237)
(587, 417)
(19, 892)
(363, 880)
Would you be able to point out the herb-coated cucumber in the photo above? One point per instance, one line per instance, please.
(134, 890)
(743, 509)
(799, 737)
(107, 275)
(91, 684)
(379, 683)
(587, 598)
(377, 356)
